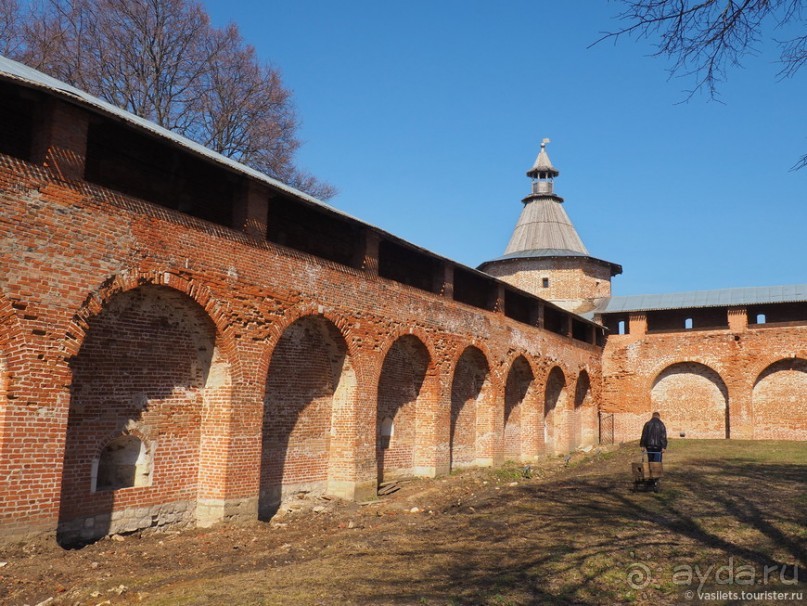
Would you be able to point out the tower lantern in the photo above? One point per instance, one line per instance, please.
(542, 172)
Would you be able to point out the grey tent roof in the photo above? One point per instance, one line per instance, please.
(544, 224)
(725, 297)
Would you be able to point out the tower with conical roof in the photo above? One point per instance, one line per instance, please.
(545, 255)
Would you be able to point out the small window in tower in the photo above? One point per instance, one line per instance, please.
(621, 328)
(761, 319)
(545, 282)
(688, 323)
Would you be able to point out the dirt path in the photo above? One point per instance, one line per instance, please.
(574, 533)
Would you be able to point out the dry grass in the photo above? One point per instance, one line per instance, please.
(571, 536)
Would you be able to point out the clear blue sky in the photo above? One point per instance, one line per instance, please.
(426, 115)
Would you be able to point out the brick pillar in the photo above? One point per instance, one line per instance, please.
(251, 210)
(738, 319)
(496, 302)
(637, 323)
(444, 280)
(60, 140)
(368, 252)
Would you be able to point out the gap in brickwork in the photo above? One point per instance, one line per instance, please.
(473, 289)
(407, 266)
(555, 321)
(138, 165)
(777, 313)
(519, 307)
(17, 114)
(310, 230)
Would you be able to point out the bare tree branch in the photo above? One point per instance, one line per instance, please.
(704, 38)
(162, 60)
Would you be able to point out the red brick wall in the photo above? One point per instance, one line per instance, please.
(85, 285)
(745, 381)
(574, 283)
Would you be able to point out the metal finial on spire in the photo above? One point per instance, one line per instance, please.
(543, 169)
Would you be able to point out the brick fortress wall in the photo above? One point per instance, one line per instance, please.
(732, 377)
(159, 368)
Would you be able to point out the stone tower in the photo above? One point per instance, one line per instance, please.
(546, 256)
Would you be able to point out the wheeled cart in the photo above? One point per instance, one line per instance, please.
(647, 474)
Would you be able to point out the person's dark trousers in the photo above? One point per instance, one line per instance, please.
(653, 455)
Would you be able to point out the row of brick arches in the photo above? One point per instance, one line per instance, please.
(154, 402)
(694, 400)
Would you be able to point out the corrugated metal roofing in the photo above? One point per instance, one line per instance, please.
(724, 297)
(12, 70)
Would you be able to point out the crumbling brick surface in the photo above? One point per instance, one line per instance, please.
(245, 366)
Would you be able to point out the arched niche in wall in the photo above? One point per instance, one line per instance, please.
(399, 406)
(125, 462)
(555, 404)
(519, 426)
(779, 401)
(310, 385)
(693, 401)
(147, 361)
(584, 418)
(468, 392)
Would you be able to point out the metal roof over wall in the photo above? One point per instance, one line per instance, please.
(724, 297)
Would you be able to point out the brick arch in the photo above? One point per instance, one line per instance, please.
(779, 401)
(291, 315)
(521, 421)
(150, 356)
(407, 397)
(471, 421)
(693, 400)
(310, 401)
(556, 411)
(132, 279)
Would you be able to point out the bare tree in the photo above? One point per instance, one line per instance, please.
(162, 60)
(703, 38)
(11, 41)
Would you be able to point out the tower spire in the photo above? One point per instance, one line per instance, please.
(542, 172)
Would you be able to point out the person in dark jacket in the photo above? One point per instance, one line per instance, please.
(654, 438)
